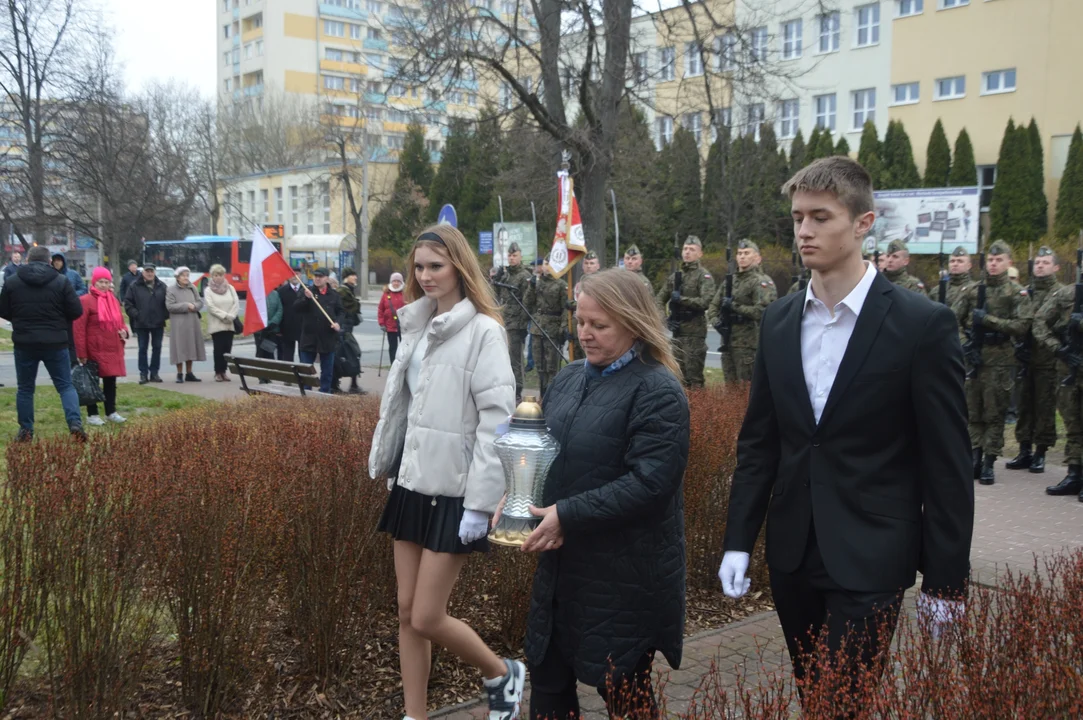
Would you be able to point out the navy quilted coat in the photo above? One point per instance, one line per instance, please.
(618, 582)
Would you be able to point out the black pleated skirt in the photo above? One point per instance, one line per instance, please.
(431, 522)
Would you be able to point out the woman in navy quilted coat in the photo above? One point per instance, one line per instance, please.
(609, 591)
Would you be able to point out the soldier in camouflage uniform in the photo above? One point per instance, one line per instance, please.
(633, 262)
(1052, 330)
(1006, 315)
(753, 291)
(959, 279)
(546, 298)
(898, 258)
(687, 307)
(1037, 376)
(591, 265)
(515, 320)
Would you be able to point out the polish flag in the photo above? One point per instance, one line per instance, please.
(267, 271)
(569, 244)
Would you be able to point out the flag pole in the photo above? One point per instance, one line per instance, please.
(313, 299)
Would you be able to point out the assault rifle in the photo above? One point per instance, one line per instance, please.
(674, 322)
(1023, 346)
(976, 335)
(1073, 341)
(942, 289)
(724, 326)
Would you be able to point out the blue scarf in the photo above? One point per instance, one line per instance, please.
(593, 371)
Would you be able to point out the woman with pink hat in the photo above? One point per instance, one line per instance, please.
(387, 313)
(99, 337)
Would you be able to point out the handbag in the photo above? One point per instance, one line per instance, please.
(85, 379)
(238, 326)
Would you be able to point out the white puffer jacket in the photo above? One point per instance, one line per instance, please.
(445, 436)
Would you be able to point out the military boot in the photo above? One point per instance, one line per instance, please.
(1070, 485)
(1023, 460)
(977, 462)
(1037, 465)
(987, 477)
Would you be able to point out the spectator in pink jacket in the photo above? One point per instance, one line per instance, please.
(99, 338)
(388, 312)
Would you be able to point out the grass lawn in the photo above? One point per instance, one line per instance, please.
(5, 340)
(135, 402)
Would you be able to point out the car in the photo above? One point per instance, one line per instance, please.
(167, 275)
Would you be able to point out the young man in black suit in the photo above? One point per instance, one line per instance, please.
(855, 445)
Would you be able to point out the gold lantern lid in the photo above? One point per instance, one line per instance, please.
(528, 415)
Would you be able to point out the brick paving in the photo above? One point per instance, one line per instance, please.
(1014, 519)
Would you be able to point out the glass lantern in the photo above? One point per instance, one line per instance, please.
(526, 451)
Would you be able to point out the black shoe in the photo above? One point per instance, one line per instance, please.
(190, 377)
(264, 382)
(1070, 485)
(24, 435)
(356, 390)
(1011, 418)
(987, 477)
(1037, 465)
(155, 377)
(77, 433)
(180, 377)
(143, 380)
(977, 462)
(1023, 460)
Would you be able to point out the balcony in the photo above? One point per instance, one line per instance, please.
(371, 44)
(237, 94)
(328, 10)
(440, 107)
(375, 98)
(236, 41)
(253, 90)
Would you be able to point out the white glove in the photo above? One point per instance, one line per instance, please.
(474, 526)
(939, 613)
(732, 573)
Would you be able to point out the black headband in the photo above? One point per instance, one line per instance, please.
(432, 237)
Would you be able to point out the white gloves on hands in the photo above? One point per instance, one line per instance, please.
(474, 526)
(732, 573)
(938, 612)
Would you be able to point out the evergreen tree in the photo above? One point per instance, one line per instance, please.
(713, 176)
(447, 185)
(899, 171)
(964, 171)
(772, 173)
(825, 146)
(1070, 195)
(937, 158)
(414, 159)
(1036, 182)
(798, 151)
(680, 198)
(403, 215)
(477, 189)
(812, 150)
(843, 147)
(634, 165)
(868, 153)
(1012, 210)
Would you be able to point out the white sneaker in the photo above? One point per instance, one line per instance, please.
(116, 417)
(95, 420)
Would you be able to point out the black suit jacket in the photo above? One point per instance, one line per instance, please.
(292, 320)
(886, 475)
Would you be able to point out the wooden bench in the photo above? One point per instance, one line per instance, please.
(299, 378)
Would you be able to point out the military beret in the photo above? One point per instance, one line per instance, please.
(959, 251)
(538, 261)
(1000, 248)
(1044, 251)
(591, 255)
(632, 251)
(896, 246)
(693, 240)
(747, 244)
(513, 248)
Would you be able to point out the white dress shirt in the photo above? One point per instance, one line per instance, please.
(824, 338)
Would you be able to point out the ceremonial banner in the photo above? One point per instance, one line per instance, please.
(569, 245)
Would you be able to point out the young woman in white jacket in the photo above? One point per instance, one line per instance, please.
(450, 386)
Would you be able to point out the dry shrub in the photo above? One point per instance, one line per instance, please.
(502, 580)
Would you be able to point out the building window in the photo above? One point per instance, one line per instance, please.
(791, 39)
(376, 61)
(255, 22)
(278, 205)
(374, 7)
(374, 86)
(666, 60)
(395, 141)
(248, 51)
(334, 28)
(226, 30)
(373, 33)
(830, 33)
(325, 196)
(951, 88)
(229, 84)
(864, 102)
(432, 145)
(693, 123)
(906, 8)
(759, 43)
(945, 4)
(226, 55)
(726, 52)
(826, 106)
(723, 118)
(639, 63)
(905, 93)
(505, 96)
(310, 210)
(251, 205)
(987, 178)
(569, 80)
(265, 202)
(331, 82)
(756, 116)
(236, 55)
(663, 127)
(693, 60)
(998, 81)
(867, 23)
(333, 54)
(259, 48)
(788, 112)
(225, 5)
(355, 32)
(295, 211)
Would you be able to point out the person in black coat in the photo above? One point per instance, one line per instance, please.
(289, 330)
(318, 336)
(129, 277)
(41, 305)
(609, 590)
(144, 302)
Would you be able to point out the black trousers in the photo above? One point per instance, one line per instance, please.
(811, 606)
(223, 345)
(286, 349)
(393, 345)
(553, 693)
(109, 387)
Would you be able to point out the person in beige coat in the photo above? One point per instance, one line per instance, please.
(449, 388)
(185, 334)
(223, 307)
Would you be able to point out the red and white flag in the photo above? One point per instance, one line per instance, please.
(569, 244)
(268, 270)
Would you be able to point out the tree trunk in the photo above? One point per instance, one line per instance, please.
(592, 209)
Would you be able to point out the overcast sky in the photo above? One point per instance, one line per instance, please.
(176, 41)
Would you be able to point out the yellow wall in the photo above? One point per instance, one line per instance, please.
(301, 82)
(1039, 38)
(299, 26)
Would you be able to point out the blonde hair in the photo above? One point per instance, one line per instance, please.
(844, 178)
(472, 282)
(622, 296)
(216, 269)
